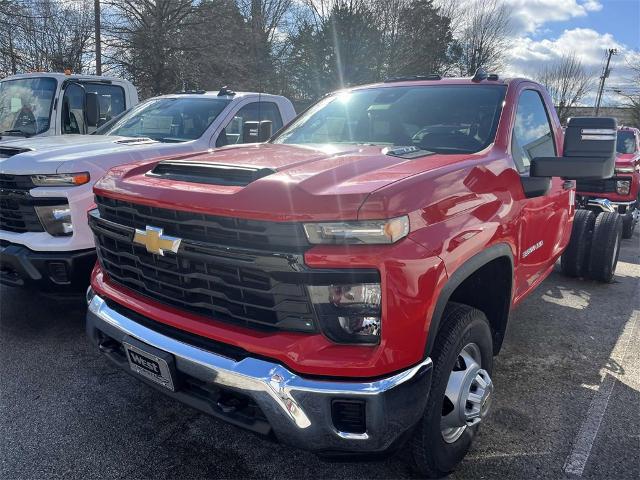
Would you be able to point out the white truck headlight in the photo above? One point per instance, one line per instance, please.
(61, 179)
(56, 219)
(623, 187)
(372, 232)
(349, 313)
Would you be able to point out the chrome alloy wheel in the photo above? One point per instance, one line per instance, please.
(468, 395)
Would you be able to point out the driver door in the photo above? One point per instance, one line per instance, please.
(546, 212)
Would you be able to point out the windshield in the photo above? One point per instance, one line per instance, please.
(168, 119)
(441, 119)
(626, 142)
(25, 105)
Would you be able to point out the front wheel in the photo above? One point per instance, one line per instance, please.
(461, 391)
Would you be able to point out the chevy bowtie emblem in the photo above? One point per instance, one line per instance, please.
(155, 241)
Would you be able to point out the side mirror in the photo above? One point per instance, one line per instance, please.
(92, 110)
(251, 132)
(266, 127)
(589, 151)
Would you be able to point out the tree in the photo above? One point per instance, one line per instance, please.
(484, 37)
(422, 42)
(632, 94)
(46, 35)
(336, 51)
(567, 82)
(218, 50)
(145, 40)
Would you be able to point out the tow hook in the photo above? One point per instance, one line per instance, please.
(108, 345)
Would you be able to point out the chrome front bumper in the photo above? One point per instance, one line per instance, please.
(297, 409)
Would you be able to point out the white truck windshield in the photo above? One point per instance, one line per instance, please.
(445, 119)
(168, 119)
(25, 105)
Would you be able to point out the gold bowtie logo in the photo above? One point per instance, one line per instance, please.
(155, 241)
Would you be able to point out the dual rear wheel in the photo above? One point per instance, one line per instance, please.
(594, 246)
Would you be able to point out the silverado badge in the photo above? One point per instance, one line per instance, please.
(155, 241)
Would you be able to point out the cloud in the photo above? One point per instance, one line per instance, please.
(528, 56)
(530, 15)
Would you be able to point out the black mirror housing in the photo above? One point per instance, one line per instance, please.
(589, 151)
(92, 110)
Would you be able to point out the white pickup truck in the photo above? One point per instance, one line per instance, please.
(46, 183)
(50, 104)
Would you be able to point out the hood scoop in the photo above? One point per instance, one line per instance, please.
(6, 152)
(209, 173)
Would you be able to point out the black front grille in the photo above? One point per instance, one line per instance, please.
(607, 185)
(17, 212)
(16, 182)
(247, 287)
(237, 232)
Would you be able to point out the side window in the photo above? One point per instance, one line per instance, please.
(73, 110)
(111, 100)
(269, 111)
(532, 133)
(234, 132)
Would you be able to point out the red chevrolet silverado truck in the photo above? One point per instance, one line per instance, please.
(345, 286)
(620, 193)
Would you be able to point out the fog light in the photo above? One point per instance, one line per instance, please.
(623, 187)
(56, 219)
(349, 313)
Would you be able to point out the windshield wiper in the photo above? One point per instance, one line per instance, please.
(170, 140)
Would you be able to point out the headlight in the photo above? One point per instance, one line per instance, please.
(61, 180)
(349, 313)
(359, 232)
(623, 187)
(56, 219)
(624, 170)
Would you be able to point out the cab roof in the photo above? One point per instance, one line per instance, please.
(62, 76)
(439, 81)
(216, 94)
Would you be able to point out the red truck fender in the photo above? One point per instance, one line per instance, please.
(497, 313)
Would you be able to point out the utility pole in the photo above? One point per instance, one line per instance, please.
(96, 14)
(605, 74)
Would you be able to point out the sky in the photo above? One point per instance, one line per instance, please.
(544, 30)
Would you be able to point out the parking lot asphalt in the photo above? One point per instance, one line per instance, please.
(566, 400)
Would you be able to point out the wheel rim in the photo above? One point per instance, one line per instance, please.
(467, 398)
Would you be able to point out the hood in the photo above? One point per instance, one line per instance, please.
(292, 182)
(627, 159)
(76, 153)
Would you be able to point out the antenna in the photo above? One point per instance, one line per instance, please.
(479, 75)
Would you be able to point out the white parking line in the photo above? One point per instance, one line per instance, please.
(577, 459)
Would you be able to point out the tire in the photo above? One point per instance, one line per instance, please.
(575, 258)
(461, 326)
(605, 246)
(628, 225)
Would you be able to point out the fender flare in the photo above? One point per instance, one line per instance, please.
(463, 272)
